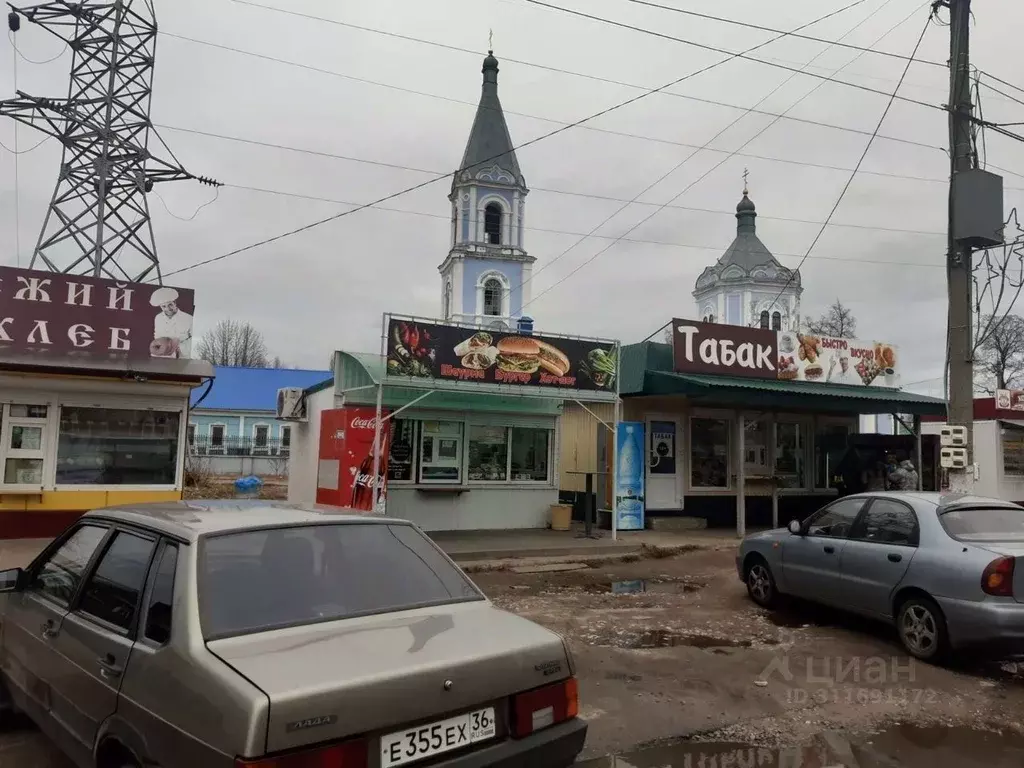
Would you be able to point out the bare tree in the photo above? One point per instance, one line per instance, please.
(999, 360)
(234, 343)
(837, 321)
(998, 276)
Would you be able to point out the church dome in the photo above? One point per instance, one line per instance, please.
(746, 205)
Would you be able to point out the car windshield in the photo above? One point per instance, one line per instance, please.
(254, 581)
(985, 523)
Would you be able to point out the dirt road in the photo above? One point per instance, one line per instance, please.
(671, 649)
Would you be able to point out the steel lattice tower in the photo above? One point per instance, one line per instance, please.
(98, 221)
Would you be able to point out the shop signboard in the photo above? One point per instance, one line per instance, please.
(729, 350)
(61, 316)
(1010, 400)
(629, 476)
(345, 476)
(432, 352)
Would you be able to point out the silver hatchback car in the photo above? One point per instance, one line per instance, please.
(225, 634)
(945, 569)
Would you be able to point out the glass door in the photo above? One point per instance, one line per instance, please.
(663, 464)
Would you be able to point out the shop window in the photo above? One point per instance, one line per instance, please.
(709, 453)
(529, 455)
(401, 452)
(829, 451)
(755, 447)
(492, 224)
(107, 446)
(1013, 450)
(789, 454)
(488, 453)
(24, 445)
(440, 452)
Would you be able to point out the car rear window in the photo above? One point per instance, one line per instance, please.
(984, 523)
(270, 578)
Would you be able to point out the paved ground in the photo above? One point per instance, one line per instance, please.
(669, 651)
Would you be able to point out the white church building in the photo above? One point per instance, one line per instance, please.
(747, 285)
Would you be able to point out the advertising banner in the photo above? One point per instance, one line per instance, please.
(59, 315)
(629, 477)
(730, 350)
(1010, 400)
(345, 477)
(418, 350)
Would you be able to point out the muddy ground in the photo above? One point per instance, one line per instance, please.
(670, 649)
(677, 668)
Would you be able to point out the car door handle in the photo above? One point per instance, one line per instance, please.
(895, 558)
(109, 666)
(48, 630)
(829, 549)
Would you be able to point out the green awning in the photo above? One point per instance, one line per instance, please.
(790, 395)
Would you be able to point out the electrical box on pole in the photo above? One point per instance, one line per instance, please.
(978, 209)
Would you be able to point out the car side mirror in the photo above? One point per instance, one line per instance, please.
(795, 527)
(12, 580)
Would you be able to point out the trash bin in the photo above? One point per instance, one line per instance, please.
(561, 517)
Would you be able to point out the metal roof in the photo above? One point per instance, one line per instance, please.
(489, 141)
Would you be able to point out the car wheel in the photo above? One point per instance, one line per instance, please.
(761, 583)
(922, 629)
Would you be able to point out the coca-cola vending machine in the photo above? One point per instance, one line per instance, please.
(345, 475)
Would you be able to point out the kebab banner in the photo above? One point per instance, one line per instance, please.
(434, 351)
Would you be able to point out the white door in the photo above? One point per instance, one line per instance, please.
(664, 464)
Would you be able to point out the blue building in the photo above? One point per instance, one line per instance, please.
(237, 417)
(485, 280)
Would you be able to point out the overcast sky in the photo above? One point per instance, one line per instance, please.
(327, 288)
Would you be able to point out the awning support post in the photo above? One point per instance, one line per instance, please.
(918, 453)
(615, 469)
(741, 476)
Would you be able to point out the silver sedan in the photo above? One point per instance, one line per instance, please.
(942, 568)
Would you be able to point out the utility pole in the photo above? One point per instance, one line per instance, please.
(958, 268)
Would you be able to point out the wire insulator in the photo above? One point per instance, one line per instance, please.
(13, 21)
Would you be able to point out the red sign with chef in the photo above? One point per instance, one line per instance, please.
(345, 477)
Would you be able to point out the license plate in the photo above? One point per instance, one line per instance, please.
(413, 744)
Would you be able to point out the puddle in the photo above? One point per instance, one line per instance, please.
(639, 586)
(662, 638)
(901, 746)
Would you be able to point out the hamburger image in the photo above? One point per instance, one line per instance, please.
(518, 354)
(813, 372)
(553, 360)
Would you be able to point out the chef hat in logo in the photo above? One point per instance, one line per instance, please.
(163, 296)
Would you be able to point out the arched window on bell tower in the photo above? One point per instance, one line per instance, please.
(776, 321)
(492, 224)
(447, 299)
(764, 319)
(492, 297)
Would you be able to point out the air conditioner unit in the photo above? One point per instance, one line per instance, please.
(291, 404)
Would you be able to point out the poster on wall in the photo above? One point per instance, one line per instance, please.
(58, 315)
(432, 351)
(729, 350)
(1010, 399)
(629, 477)
(345, 477)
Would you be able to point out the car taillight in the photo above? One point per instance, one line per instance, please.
(997, 579)
(351, 754)
(542, 707)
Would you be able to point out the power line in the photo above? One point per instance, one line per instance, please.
(748, 25)
(474, 105)
(715, 49)
(721, 162)
(545, 230)
(572, 193)
(860, 162)
(428, 182)
(17, 51)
